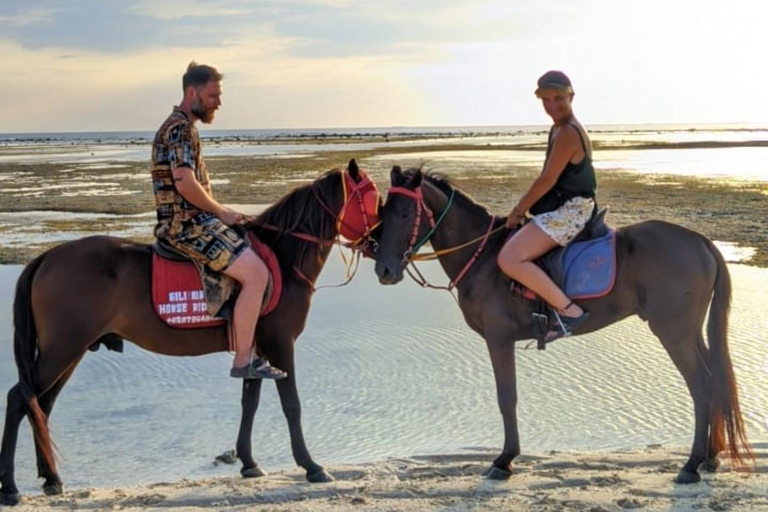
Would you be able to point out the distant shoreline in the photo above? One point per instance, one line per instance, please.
(453, 141)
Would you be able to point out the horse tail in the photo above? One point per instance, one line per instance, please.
(25, 351)
(725, 412)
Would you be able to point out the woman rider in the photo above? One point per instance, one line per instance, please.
(560, 200)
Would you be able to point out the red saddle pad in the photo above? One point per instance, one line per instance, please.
(178, 296)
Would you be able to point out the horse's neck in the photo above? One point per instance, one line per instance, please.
(311, 267)
(461, 224)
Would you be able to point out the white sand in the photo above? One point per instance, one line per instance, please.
(557, 481)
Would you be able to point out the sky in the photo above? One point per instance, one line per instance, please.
(98, 65)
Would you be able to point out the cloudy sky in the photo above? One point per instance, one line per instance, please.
(92, 65)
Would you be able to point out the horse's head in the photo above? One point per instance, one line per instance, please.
(359, 214)
(403, 224)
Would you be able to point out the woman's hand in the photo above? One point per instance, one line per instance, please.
(515, 218)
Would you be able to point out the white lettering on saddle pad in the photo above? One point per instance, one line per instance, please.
(185, 307)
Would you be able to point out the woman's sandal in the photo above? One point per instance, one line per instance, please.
(566, 324)
(258, 369)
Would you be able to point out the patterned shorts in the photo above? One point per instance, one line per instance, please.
(209, 241)
(563, 224)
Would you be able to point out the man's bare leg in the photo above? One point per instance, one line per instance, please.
(252, 274)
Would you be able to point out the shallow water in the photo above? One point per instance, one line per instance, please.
(382, 372)
(732, 164)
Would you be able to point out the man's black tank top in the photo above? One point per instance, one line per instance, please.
(575, 180)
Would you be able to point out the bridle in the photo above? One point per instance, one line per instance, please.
(421, 207)
(356, 220)
(410, 255)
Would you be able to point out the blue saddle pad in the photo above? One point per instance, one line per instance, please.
(590, 267)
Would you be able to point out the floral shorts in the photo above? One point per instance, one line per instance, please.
(209, 241)
(563, 224)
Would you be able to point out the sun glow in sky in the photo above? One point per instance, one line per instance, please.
(93, 65)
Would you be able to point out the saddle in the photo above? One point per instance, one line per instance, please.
(187, 295)
(584, 269)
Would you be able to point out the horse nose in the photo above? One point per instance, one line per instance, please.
(385, 273)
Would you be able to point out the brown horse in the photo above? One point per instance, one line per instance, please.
(54, 327)
(667, 275)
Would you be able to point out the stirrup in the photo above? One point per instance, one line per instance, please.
(566, 325)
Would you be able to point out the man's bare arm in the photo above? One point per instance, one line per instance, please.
(191, 190)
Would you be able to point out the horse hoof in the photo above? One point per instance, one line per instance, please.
(319, 477)
(253, 472)
(53, 488)
(687, 477)
(711, 465)
(9, 499)
(496, 473)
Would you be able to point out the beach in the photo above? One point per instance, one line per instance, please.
(551, 482)
(48, 200)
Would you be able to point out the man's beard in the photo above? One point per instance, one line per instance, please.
(204, 115)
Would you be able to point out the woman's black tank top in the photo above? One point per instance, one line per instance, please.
(575, 180)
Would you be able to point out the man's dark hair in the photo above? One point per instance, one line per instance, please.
(198, 75)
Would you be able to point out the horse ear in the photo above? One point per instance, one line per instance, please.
(396, 176)
(353, 169)
(417, 177)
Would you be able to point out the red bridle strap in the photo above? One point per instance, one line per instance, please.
(418, 196)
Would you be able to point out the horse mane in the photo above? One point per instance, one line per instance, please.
(463, 200)
(461, 197)
(299, 211)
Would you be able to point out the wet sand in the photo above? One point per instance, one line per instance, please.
(547, 482)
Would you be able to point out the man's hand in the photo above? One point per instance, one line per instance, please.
(229, 216)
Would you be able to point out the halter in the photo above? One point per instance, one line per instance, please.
(418, 196)
(410, 256)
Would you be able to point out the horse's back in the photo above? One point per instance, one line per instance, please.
(92, 260)
(666, 264)
(657, 243)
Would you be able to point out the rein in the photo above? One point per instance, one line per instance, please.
(410, 256)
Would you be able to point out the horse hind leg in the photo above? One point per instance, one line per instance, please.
(52, 484)
(688, 353)
(14, 413)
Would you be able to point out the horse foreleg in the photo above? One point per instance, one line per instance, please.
(502, 352)
(250, 402)
(289, 400)
(14, 413)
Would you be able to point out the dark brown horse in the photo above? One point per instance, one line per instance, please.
(97, 290)
(667, 275)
